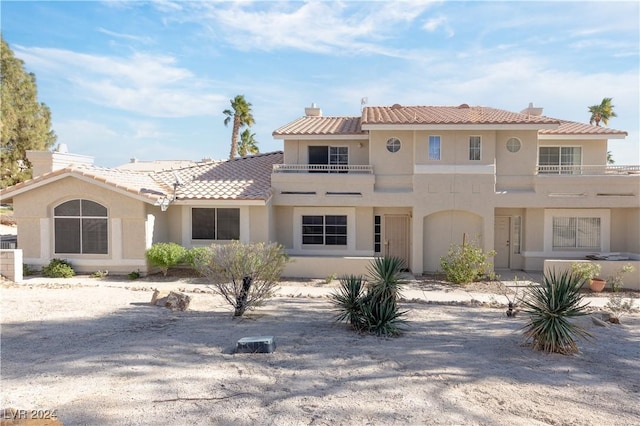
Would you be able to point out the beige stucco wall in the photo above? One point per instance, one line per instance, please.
(444, 228)
(34, 213)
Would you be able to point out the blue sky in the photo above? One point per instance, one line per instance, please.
(150, 80)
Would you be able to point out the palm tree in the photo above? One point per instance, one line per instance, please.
(602, 112)
(240, 114)
(248, 143)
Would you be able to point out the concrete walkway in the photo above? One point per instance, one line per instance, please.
(415, 290)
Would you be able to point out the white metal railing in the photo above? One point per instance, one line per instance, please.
(588, 170)
(322, 168)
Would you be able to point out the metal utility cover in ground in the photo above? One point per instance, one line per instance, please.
(260, 344)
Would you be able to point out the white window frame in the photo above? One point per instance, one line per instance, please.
(81, 217)
(605, 230)
(216, 227)
(473, 150)
(439, 140)
(570, 167)
(299, 248)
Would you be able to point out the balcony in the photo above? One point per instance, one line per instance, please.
(588, 170)
(323, 168)
(596, 185)
(322, 180)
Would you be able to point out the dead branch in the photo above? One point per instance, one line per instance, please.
(213, 398)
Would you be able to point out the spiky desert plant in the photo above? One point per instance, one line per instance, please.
(348, 300)
(372, 306)
(550, 307)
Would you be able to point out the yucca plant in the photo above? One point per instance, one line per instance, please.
(372, 306)
(348, 300)
(550, 307)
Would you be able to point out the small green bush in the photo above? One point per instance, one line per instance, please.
(134, 275)
(466, 263)
(166, 255)
(198, 258)
(99, 274)
(58, 268)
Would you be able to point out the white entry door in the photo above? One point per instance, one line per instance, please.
(502, 242)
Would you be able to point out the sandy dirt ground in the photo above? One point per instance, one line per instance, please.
(96, 353)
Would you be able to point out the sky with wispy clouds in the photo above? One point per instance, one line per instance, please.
(150, 80)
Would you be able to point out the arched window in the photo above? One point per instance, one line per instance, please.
(80, 226)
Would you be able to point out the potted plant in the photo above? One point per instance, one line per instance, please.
(589, 271)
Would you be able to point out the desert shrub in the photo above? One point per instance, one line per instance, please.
(245, 274)
(372, 306)
(99, 274)
(134, 275)
(58, 268)
(550, 307)
(166, 255)
(198, 258)
(616, 278)
(466, 263)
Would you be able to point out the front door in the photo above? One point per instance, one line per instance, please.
(396, 237)
(502, 242)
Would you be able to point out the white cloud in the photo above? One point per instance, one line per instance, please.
(140, 39)
(149, 85)
(317, 27)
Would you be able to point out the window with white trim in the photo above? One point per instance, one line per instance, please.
(475, 145)
(215, 223)
(328, 230)
(559, 159)
(576, 233)
(329, 155)
(80, 227)
(434, 147)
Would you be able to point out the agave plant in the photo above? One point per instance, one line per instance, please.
(550, 308)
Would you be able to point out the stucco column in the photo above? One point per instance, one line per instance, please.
(116, 239)
(417, 241)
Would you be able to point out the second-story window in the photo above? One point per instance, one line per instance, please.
(475, 148)
(434, 147)
(329, 155)
(559, 159)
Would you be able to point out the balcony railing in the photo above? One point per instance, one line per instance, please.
(322, 168)
(589, 170)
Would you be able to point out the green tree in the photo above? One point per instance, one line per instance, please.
(240, 115)
(248, 143)
(602, 112)
(25, 123)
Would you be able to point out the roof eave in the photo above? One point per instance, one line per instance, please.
(362, 136)
(551, 136)
(488, 126)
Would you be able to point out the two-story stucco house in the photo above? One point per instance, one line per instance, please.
(406, 181)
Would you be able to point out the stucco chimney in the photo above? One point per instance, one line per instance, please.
(313, 111)
(531, 110)
(50, 161)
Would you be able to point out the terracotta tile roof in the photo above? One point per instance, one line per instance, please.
(574, 128)
(247, 178)
(303, 126)
(462, 114)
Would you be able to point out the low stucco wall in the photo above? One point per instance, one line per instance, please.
(11, 264)
(609, 267)
(325, 266)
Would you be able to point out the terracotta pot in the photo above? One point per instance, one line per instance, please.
(597, 284)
